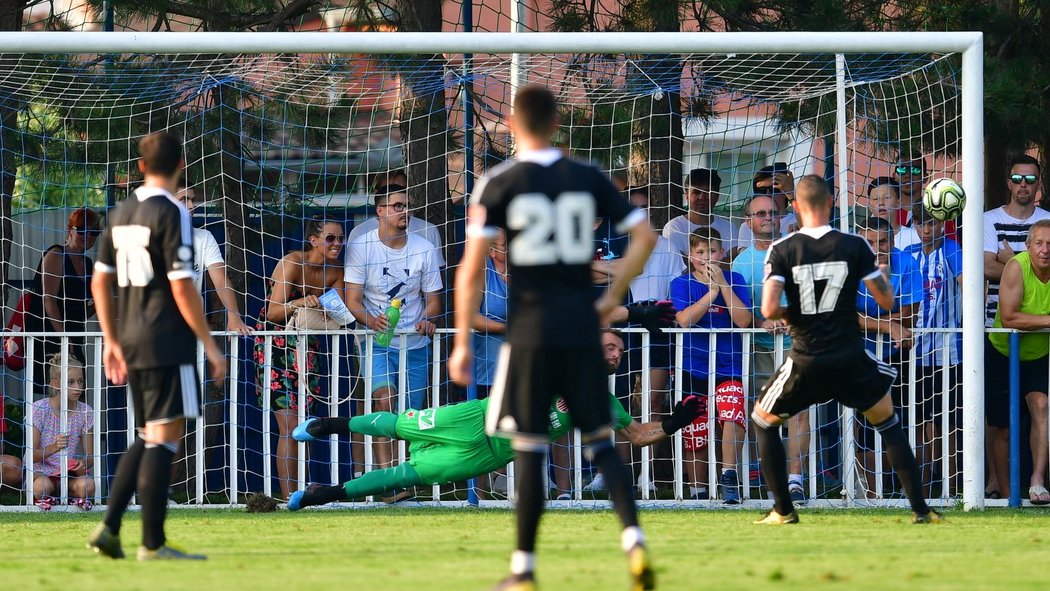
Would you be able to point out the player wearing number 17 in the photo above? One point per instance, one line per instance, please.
(819, 269)
(548, 205)
(149, 340)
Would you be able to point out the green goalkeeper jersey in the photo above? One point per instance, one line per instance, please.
(559, 424)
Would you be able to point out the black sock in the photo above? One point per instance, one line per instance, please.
(618, 483)
(324, 427)
(531, 484)
(774, 466)
(154, 477)
(123, 485)
(321, 495)
(902, 458)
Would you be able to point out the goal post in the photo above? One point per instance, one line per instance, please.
(741, 64)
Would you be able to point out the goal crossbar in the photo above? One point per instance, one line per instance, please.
(405, 43)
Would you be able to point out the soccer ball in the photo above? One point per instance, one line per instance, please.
(944, 199)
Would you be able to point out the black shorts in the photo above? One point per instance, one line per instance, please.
(529, 378)
(853, 378)
(164, 394)
(1033, 378)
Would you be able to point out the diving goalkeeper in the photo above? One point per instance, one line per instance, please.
(448, 443)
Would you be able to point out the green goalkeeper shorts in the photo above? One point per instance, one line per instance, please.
(448, 443)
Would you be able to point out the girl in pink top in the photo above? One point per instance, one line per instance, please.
(51, 444)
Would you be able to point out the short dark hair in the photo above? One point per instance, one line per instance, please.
(382, 180)
(874, 223)
(704, 177)
(1024, 159)
(161, 153)
(388, 190)
(706, 234)
(813, 190)
(535, 110)
(884, 180)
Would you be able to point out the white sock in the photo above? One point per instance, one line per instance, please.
(522, 562)
(696, 490)
(795, 479)
(631, 537)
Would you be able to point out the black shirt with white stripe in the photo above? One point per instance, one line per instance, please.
(148, 243)
(548, 204)
(822, 269)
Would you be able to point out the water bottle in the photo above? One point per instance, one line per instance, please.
(393, 314)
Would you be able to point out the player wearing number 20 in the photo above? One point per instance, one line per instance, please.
(548, 205)
(820, 269)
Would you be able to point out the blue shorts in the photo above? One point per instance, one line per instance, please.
(386, 367)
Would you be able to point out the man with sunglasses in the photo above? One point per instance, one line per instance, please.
(761, 218)
(777, 182)
(395, 180)
(382, 265)
(911, 175)
(1006, 228)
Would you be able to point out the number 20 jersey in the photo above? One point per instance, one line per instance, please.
(147, 244)
(822, 269)
(548, 204)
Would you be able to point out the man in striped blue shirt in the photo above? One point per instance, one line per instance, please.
(937, 354)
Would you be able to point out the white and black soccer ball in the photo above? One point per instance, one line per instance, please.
(944, 199)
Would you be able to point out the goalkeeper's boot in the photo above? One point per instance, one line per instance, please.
(642, 575)
(302, 431)
(931, 517)
(167, 552)
(103, 541)
(310, 497)
(774, 518)
(522, 582)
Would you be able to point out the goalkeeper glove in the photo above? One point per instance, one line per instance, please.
(652, 314)
(684, 412)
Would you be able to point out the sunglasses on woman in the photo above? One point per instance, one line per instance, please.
(92, 232)
(334, 239)
(1028, 178)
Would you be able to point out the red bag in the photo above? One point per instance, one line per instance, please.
(14, 354)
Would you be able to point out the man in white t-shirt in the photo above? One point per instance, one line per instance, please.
(1006, 228)
(207, 256)
(702, 186)
(385, 264)
(416, 226)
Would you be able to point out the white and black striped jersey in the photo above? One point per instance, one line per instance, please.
(148, 243)
(821, 269)
(548, 205)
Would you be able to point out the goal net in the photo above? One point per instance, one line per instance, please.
(275, 140)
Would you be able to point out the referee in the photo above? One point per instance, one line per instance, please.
(150, 340)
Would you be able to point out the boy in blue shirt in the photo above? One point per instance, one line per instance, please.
(711, 297)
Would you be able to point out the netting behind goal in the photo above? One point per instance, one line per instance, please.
(274, 140)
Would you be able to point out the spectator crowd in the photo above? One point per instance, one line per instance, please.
(710, 269)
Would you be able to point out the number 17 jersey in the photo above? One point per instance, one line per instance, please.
(821, 269)
(548, 205)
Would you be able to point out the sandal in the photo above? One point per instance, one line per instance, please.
(1038, 495)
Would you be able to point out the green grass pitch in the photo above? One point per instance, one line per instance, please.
(464, 549)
